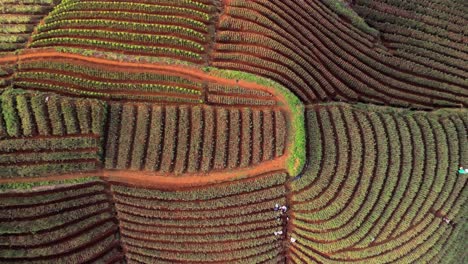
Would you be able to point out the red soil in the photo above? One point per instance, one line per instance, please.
(157, 179)
(190, 72)
(165, 181)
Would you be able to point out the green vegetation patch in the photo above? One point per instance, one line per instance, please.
(297, 146)
(30, 185)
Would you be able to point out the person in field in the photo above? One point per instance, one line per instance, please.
(276, 208)
(277, 233)
(283, 209)
(461, 170)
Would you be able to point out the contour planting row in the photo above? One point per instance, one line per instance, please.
(156, 28)
(60, 224)
(231, 222)
(382, 186)
(18, 19)
(320, 57)
(87, 79)
(179, 139)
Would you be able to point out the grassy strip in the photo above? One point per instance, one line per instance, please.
(297, 149)
(30, 185)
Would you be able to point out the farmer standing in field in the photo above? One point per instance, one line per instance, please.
(462, 171)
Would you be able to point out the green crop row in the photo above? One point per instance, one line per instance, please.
(257, 136)
(57, 156)
(19, 213)
(206, 193)
(13, 38)
(15, 171)
(208, 144)
(25, 9)
(234, 100)
(155, 138)
(104, 86)
(266, 194)
(222, 135)
(116, 46)
(67, 90)
(30, 2)
(100, 73)
(47, 143)
(165, 3)
(141, 128)
(81, 249)
(129, 6)
(215, 215)
(16, 29)
(126, 136)
(184, 131)
(29, 185)
(218, 88)
(168, 152)
(196, 139)
(123, 38)
(53, 220)
(234, 139)
(122, 15)
(125, 28)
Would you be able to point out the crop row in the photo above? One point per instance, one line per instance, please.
(228, 95)
(192, 139)
(129, 17)
(41, 114)
(119, 29)
(18, 20)
(70, 223)
(188, 8)
(117, 46)
(404, 165)
(102, 73)
(177, 31)
(365, 75)
(195, 221)
(69, 78)
(49, 134)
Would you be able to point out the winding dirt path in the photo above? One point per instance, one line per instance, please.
(165, 181)
(159, 67)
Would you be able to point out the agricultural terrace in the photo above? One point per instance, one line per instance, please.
(233, 131)
(409, 54)
(70, 222)
(157, 28)
(18, 19)
(235, 120)
(380, 186)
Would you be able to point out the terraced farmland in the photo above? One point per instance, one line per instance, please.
(72, 223)
(401, 164)
(18, 20)
(233, 131)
